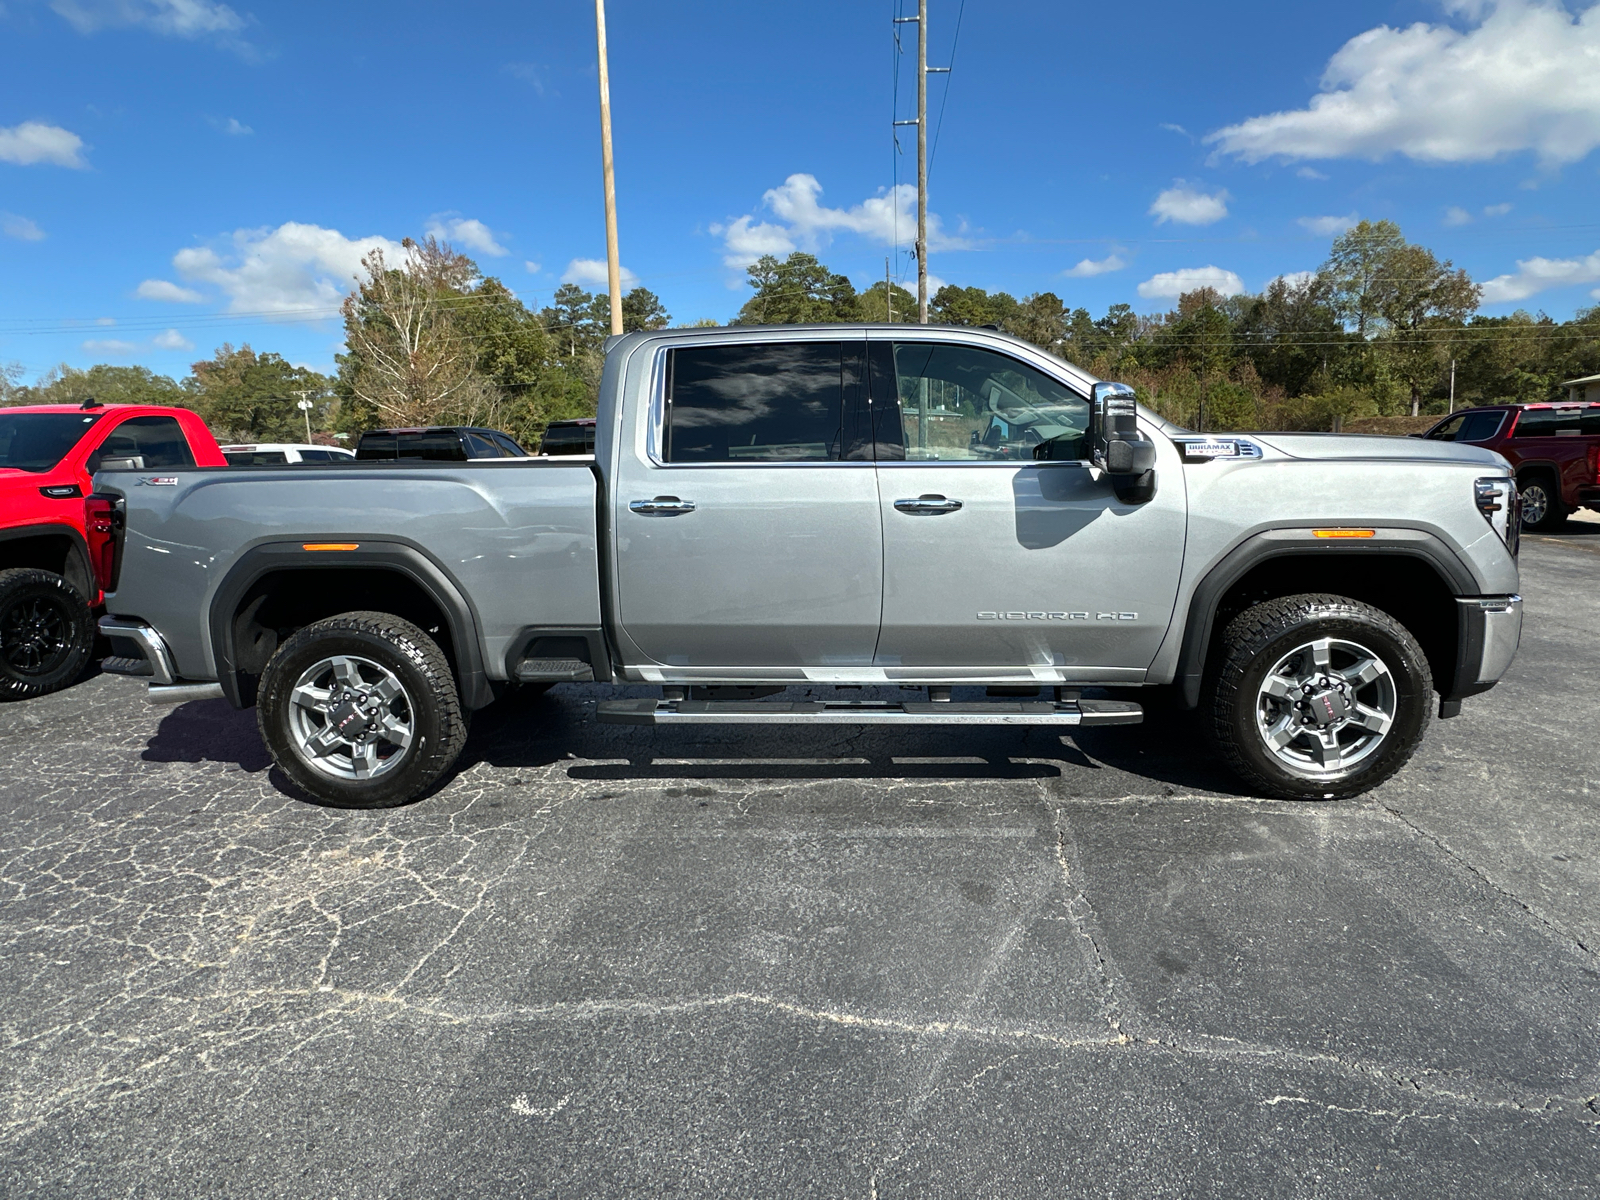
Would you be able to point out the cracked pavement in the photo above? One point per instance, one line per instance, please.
(607, 960)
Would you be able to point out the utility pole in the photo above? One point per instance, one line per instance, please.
(1452, 385)
(922, 164)
(305, 406)
(888, 289)
(613, 264)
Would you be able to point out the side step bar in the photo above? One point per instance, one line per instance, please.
(868, 712)
(554, 670)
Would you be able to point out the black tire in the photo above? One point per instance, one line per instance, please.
(1542, 510)
(1241, 716)
(427, 707)
(46, 633)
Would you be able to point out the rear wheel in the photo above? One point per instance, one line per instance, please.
(361, 711)
(1318, 697)
(46, 633)
(1542, 510)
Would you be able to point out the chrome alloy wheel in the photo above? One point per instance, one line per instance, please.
(1535, 503)
(351, 717)
(1326, 706)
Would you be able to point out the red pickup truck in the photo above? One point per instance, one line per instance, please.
(1553, 448)
(49, 533)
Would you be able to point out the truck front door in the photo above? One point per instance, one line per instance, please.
(997, 564)
(746, 534)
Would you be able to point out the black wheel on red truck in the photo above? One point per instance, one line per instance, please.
(46, 633)
(1542, 510)
(361, 711)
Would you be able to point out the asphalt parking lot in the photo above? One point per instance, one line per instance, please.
(608, 961)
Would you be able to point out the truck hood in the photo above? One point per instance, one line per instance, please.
(1373, 445)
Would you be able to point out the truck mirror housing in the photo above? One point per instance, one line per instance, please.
(1116, 444)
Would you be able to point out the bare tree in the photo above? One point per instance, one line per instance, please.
(414, 361)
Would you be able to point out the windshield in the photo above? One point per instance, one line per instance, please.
(38, 441)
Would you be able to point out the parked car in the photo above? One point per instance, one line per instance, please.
(262, 454)
(808, 505)
(49, 542)
(568, 437)
(1553, 448)
(437, 443)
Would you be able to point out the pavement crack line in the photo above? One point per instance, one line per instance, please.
(1478, 873)
(1081, 913)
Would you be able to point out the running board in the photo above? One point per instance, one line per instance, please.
(554, 670)
(868, 712)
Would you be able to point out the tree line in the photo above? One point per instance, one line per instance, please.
(1380, 330)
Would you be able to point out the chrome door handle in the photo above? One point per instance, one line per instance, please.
(661, 506)
(927, 506)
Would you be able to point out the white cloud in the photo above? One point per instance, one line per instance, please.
(592, 271)
(20, 228)
(170, 293)
(110, 346)
(1536, 274)
(171, 339)
(235, 128)
(1189, 206)
(179, 18)
(107, 321)
(533, 267)
(1456, 215)
(290, 268)
(473, 235)
(1293, 280)
(1310, 173)
(1328, 226)
(1090, 267)
(1523, 79)
(1169, 285)
(532, 74)
(1171, 128)
(1497, 210)
(35, 142)
(889, 218)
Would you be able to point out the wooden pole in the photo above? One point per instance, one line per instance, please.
(922, 163)
(613, 262)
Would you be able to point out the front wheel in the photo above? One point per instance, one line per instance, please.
(1318, 697)
(361, 711)
(46, 633)
(1542, 510)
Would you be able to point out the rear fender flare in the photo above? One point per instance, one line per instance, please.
(398, 557)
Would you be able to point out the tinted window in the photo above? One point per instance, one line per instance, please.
(375, 446)
(1590, 421)
(479, 446)
(38, 441)
(508, 447)
(314, 456)
(568, 439)
(1545, 422)
(1447, 432)
(779, 402)
(1479, 427)
(159, 441)
(965, 403)
(254, 458)
(432, 446)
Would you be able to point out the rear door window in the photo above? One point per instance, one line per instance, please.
(478, 446)
(769, 402)
(255, 458)
(432, 447)
(157, 441)
(508, 447)
(1546, 422)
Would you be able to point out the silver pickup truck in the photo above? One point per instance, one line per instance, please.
(831, 508)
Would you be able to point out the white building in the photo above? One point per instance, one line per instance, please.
(1585, 389)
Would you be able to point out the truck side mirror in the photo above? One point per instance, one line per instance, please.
(1116, 444)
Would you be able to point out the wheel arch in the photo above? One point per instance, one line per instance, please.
(1415, 578)
(277, 588)
(59, 549)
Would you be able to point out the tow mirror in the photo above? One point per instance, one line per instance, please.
(1116, 444)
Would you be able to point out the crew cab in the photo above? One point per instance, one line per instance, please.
(1554, 449)
(47, 542)
(893, 525)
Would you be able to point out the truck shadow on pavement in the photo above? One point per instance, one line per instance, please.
(531, 732)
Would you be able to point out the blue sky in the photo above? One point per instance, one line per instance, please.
(179, 173)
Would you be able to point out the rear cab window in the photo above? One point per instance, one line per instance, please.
(1548, 422)
(767, 402)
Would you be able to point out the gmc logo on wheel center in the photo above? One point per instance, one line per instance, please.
(1057, 616)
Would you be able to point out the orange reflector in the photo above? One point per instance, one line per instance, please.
(1338, 533)
(331, 546)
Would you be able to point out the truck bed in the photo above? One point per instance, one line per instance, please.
(481, 524)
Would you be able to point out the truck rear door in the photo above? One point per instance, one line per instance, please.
(745, 534)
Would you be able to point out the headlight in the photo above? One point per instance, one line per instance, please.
(1501, 505)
